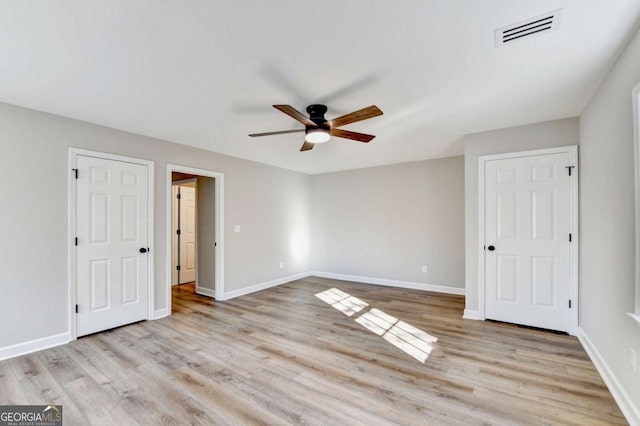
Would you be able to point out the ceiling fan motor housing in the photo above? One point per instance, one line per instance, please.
(316, 114)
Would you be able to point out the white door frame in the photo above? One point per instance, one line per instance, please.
(573, 188)
(183, 181)
(219, 226)
(71, 226)
(636, 146)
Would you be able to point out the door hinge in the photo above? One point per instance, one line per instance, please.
(178, 267)
(570, 238)
(569, 169)
(215, 244)
(179, 196)
(76, 241)
(76, 309)
(178, 232)
(75, 171)
(569, 303)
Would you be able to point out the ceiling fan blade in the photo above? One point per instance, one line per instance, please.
(281, 132)
(306, 146)
(347, 134)
(362, 114)
(295, 114)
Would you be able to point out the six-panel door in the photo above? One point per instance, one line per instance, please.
(527, 212)
(187, 234)
(111, 225)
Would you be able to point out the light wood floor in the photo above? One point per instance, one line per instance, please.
(284, 356)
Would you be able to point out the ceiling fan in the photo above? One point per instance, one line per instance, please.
(319, 130)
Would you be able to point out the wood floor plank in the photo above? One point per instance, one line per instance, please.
(106, 370)
(224, 395)
(285, 356)
(10, 391)
(40, 387)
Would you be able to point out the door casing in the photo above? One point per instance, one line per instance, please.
(71, 226)
(219, 227)
(574, 283)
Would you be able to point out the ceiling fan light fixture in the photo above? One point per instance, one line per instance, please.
(318, 129)
(317, 136)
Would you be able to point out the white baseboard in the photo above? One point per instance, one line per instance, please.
(390, 283)
(34, 345)
(160, 313)
(354, 278)
(205, 291)
(626, 404)
(263, 286)
(472, 315)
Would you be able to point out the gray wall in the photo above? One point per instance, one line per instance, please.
(386, 222)
(607, 262)
(533, 136)
(271, 205)
(206, 211)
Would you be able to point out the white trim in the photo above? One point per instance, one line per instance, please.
(184, 181)
(205, 291)
(472, 315)
(626, 404)
(636, 148)
(34, 345)
(573, 159)
(71, 226)
(71, 248)
(575, 240)
(390, 283)
(263, 286)
(161, 313)
(343, 277)
(529, 153)
(481, 239)
(219, 225)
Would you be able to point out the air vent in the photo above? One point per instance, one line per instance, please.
(537, 25)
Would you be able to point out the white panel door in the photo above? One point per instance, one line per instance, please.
(111, 225)
(187, 234)
(528, 222)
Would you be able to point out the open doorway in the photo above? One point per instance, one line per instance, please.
(195, 239)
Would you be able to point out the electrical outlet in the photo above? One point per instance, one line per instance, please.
(633, 359)
(281, 265)
(424, 268)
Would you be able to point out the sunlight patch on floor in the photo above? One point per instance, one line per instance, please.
(406, 337)
(400, 334)
(344, 302)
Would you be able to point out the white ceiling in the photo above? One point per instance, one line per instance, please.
(205, 73)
